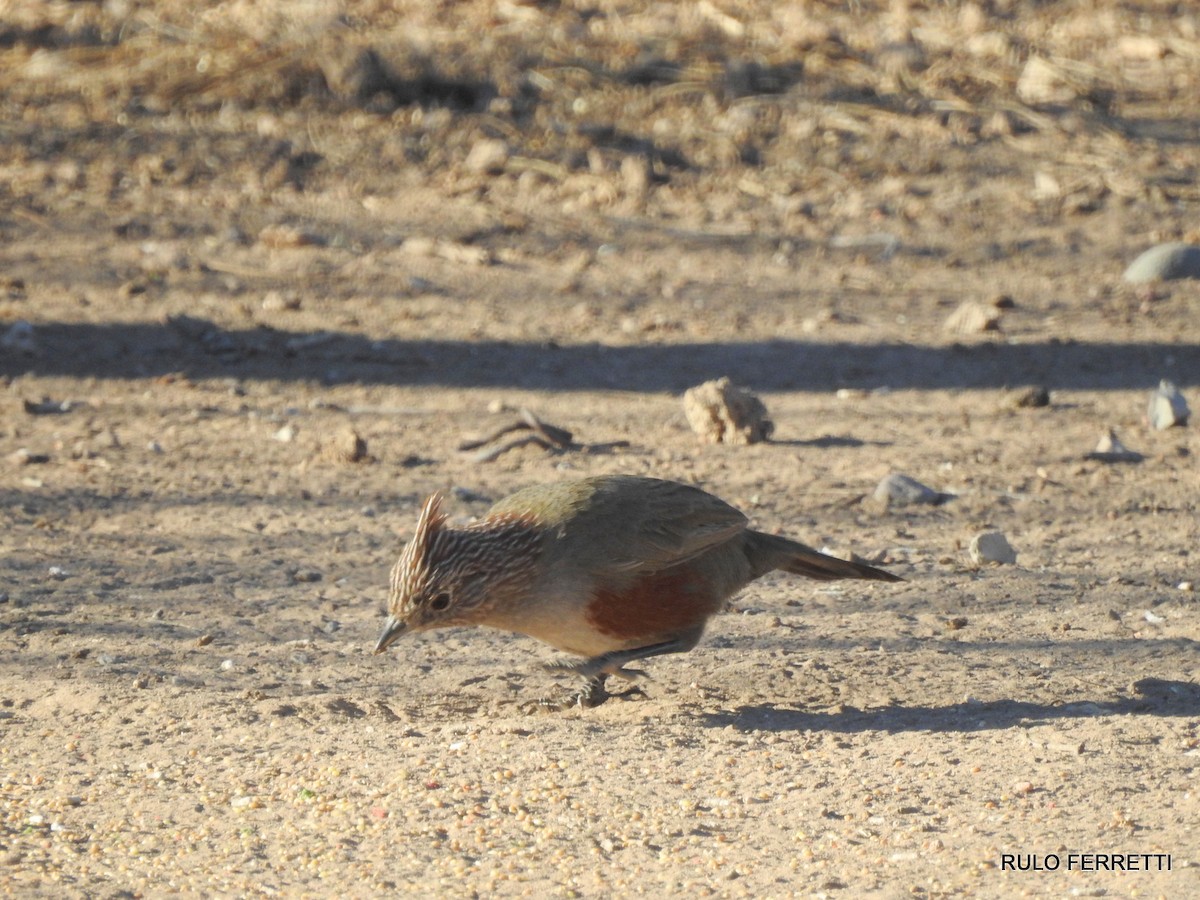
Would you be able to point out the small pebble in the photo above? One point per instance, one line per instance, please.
(274, 301)
(353, 73)
(19, 338)
(1167, 407)
(973, 318)
(487, 157)
(23, 457)
(1042, 82)
(47, 407)
(346, 446)
(1164, 263)
(286, 434)
(992, 546)
(1029, 398)
(280, 237)
(1110, 449)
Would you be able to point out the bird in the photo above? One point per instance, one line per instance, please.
(610, 568)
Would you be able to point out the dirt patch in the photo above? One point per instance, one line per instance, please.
(277, 268)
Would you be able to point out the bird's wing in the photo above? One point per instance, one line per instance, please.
(670, 524)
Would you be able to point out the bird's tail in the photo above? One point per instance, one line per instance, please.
(770, 551)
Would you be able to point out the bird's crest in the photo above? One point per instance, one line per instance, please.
(410, 571)
(429, 524)
(454, 576)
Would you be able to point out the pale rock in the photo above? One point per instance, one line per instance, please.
(973, 318)
(722, 413)
(1167, 408)
(1041, 82)
(1165, 262)
(992, 546)
(1110, 449)
(488, 157)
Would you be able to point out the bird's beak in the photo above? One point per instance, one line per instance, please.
(392, 629)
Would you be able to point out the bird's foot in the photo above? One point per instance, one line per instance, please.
(596, 667)
(592, 694)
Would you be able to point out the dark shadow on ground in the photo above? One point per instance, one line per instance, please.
(1150, 697)
(201, 349)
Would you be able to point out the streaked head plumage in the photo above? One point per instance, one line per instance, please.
(453, 576)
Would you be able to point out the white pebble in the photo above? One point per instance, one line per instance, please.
(1167, 408)
(1110, 449)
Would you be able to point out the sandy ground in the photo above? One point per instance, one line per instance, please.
(239, 238)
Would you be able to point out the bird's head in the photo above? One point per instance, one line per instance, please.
(449, 576)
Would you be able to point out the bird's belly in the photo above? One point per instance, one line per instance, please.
(654, 607)
(618, 613)
(563, 626)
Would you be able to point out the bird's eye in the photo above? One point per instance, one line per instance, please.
(440, 602)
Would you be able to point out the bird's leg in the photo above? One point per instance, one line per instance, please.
(613, 663)
(591, 695)
(596, 670)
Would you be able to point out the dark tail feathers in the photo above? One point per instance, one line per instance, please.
(770, 551)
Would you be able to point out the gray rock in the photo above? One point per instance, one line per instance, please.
(1165, 262)
(901, 490)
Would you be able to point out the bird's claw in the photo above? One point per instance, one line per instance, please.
(591, 695)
